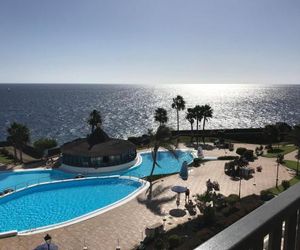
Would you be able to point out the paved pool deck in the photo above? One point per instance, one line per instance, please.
(127, 223)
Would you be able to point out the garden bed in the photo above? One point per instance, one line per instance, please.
(280, 150)
(192, 233)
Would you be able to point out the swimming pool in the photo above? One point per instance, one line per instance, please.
(167, 164)
(58, 202)
(19, 179)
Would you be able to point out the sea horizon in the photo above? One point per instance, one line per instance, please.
(60, 110)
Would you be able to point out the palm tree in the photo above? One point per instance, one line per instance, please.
(24, 136)
(190, 116)
(295, 138)
(161, 116)
(161, 139)
(207, 113)
(12, 137)
(178, 104)
(95, 119)
(198, 115)
(19, 136)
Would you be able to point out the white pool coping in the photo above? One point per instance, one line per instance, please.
(165, 150)
(86, 216)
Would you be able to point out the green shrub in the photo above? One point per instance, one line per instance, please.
(43, 144)
(285, 184)
(209, 215)
(241, 151)
(232, 199)
(248, 154)
(226, 211)
(159, 244)
(266, 195)
(275, 150)
(205, 197)
(174, 240)
(264, 192)
(227, 157)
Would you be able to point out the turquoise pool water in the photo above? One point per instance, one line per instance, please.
(19, 179)
(167, 162)
(54, 203)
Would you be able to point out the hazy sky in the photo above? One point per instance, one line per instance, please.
(153, 41)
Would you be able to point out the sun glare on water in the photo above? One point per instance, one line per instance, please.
(208, 90)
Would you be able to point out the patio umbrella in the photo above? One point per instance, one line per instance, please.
(45, 246)
(184, 174)
(178, 189)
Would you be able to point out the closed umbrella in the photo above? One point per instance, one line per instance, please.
(184, 174)
(200, 152)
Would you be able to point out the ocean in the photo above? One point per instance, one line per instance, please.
(61, 110)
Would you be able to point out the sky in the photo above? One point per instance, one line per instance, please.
(150, 41)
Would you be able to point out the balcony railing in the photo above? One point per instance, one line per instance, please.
(275, 225)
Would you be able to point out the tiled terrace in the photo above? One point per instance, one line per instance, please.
(127, 223)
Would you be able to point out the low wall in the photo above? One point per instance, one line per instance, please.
(250, 135)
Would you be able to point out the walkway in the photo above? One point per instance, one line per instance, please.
(291, 156)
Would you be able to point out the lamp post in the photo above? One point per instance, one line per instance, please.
(48, 239)
(240, 185)
(298, 157)
(240, 181)
(278, 159)
(84, 246)
(118, 246)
